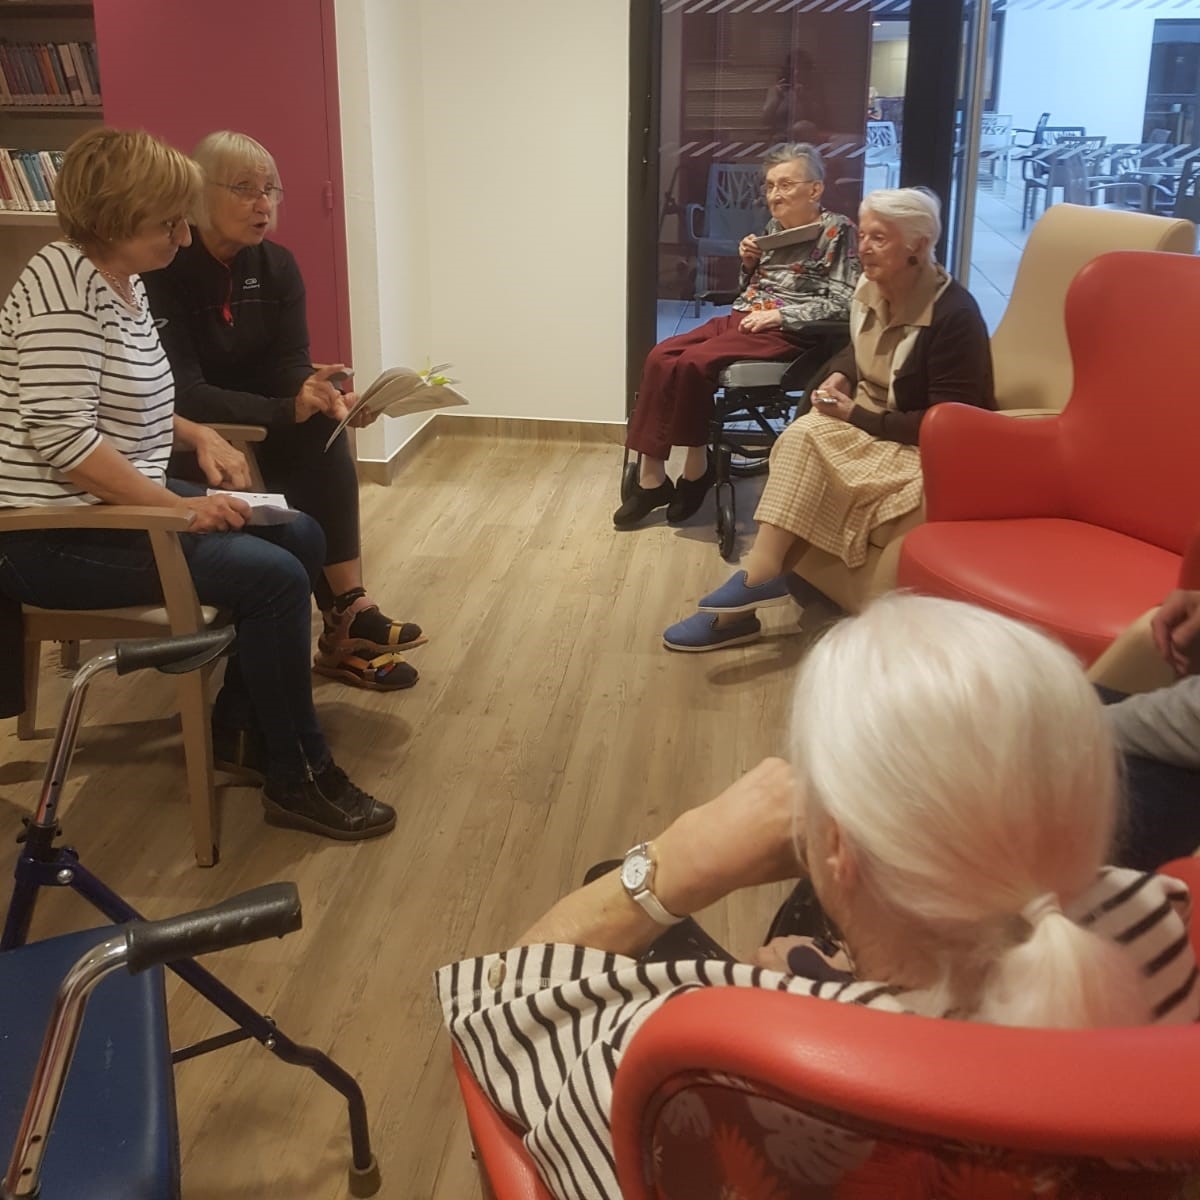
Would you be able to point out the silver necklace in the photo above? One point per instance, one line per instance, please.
(124, 288)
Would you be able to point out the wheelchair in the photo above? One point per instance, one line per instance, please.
(91, 1115)
(755, 401)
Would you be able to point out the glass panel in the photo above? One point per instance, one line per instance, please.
(1093, 102)
(738, 77)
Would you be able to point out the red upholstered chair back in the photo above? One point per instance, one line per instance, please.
(708, 1100)
(1130, 434)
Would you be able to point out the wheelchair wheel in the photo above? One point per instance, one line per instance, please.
(744, 468)
(629, 478)
(726, 529)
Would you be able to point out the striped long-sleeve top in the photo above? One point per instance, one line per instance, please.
(544, 1028)
(77, 365)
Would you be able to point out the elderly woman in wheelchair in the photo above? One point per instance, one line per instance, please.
(87, 407)
(782, 288)
(953, 798)
(851, 463)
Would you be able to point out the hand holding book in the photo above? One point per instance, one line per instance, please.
(400, 392)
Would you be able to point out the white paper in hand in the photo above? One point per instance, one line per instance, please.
(266, 508)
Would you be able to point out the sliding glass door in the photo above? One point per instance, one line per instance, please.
(716, 83)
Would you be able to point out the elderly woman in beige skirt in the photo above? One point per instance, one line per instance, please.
(851, 463)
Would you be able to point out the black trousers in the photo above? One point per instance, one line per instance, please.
(317, 481)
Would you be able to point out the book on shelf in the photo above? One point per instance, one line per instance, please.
(49, 75)
(27, 179)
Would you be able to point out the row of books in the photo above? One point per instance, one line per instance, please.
(27, 179)
(49, 74)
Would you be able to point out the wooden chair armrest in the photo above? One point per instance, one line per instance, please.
(94, 516)
(240, 433)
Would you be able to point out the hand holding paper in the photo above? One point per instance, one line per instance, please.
(266, 508)
(400, 392)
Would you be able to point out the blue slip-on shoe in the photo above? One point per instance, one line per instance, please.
(700, 632)
(736, 595)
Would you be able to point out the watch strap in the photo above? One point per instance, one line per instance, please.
(644, 896)
(654, 909)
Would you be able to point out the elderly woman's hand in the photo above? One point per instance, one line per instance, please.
(745, 837)
(760, 320)
(317, 394)
(833, 402)
(224, 466)
(749, 252)
(1176, 626)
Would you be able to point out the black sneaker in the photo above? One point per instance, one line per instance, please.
(641, 503)
(328, 804)
(689, 495)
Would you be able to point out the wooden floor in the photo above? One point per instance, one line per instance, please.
(549, 730)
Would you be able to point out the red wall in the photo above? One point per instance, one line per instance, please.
(264, 67)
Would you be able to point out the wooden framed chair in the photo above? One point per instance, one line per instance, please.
(180, 612)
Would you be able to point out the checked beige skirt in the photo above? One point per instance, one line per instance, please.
(831, 484)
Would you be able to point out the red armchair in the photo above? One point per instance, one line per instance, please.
(1076, 523)
(957, 1110)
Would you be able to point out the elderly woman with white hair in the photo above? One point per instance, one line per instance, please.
(953, 796)
(232, 319)
(851, 463)
(783, 288)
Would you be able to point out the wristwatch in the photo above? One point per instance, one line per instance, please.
(637, 878)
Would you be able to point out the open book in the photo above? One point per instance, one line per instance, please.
(789, 237)
(400, 392)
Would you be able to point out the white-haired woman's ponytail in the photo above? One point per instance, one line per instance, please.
(1062, 976)
(970, 771)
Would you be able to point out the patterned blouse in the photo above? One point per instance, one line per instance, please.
(812, 281)
(544, 1028)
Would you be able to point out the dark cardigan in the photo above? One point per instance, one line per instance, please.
(951, 360)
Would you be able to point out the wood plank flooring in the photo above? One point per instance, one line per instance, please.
(549, 730)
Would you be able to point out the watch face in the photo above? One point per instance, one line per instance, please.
(634, 871)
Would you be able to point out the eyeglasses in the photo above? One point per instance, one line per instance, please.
(785, 187)
(247, 193)
(172, 225)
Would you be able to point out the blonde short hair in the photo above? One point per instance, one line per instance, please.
(113, 180)
(224, 155)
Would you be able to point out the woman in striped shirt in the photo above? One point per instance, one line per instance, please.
(87, 417)
(953, 799)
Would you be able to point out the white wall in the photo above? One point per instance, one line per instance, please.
(386, 213)
(1086, 66)
(485, 156)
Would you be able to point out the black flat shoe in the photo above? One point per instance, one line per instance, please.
(641, 503)
(328, 804)
(689, 495)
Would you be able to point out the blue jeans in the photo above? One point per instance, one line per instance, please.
(263, 577)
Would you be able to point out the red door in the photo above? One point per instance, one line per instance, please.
(268, 69)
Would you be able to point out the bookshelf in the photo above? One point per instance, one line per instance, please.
(38, 127)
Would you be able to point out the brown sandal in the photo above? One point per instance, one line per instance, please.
(336, 638)
(383, 673)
